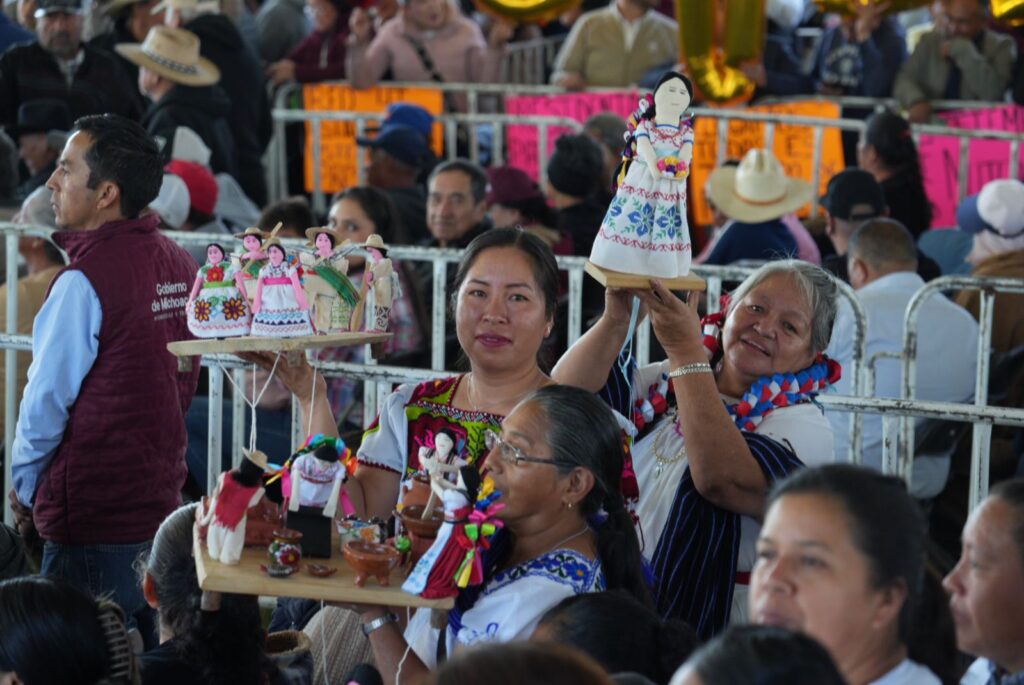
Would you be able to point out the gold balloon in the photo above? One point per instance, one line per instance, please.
(717, 36)
(526, 10)
(849, 7)
(1009, 11)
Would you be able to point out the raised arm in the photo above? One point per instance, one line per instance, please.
(586, 364)
(724, 471)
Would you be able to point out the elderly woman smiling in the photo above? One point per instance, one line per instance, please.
(700, 500)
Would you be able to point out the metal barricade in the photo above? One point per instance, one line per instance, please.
(450, 121)
(981, 438)
(527, 62)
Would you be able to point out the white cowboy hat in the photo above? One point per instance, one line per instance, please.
(173, 54)
(758, 189)
(375, 241)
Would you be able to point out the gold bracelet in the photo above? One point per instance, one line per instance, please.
(688, 369)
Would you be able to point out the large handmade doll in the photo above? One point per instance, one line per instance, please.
(332, 297)
(381, 283)
(237, 490)
(251, 260)
(217, 307)
(279, 308)
(645, 230)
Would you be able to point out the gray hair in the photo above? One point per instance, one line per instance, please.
(819, 288)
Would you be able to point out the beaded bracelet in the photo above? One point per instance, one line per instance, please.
(688, 369)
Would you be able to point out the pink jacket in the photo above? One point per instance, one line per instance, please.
(458, 50)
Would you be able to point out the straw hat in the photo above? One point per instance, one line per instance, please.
(376, 242)
(173, 54)
(252, 230)
(257, 457)
(313, 231)
(758, 189)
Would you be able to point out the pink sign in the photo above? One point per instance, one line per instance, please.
(522, 140)
(987, 159)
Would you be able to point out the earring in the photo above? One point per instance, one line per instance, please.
(569, 505)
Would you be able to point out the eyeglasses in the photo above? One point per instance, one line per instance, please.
(510, 454)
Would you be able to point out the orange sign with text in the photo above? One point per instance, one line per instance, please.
(338, 150)
(793, 145)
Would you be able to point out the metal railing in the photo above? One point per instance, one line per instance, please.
(723, 116)
(528, 62)
(379, 379)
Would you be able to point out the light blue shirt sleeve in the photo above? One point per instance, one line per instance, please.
(65, 342)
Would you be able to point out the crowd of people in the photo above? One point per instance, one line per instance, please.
(692, 520)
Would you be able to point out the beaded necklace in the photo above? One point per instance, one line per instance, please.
(764, 396)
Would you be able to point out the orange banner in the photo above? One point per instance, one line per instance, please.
(338, 148)
(793, 145)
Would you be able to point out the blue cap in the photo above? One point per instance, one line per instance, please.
(968, 218)
(401, 142)
(413, 116)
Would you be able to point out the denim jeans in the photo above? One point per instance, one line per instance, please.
(101, 570)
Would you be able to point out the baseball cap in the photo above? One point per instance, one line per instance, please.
(173, 202)
(406, 114)
(853, 195)
(508, 184)
(998, 208)
(45, 7)
(401, 142)
(202, 186)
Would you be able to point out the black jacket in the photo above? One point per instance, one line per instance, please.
(202, 109)
(28, 72)
(241, 77)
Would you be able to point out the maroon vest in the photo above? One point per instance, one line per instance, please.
(119, 468)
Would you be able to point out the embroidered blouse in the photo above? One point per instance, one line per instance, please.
(511, 603)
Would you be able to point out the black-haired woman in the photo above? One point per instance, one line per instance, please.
(841, 558)
(558, 462)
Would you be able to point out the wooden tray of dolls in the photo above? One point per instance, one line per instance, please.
(249, 343)
(618, 279)
(246, 578)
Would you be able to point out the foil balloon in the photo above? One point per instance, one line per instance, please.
(1008, 11)
(527, 10)
(716, 37)
(849, 7)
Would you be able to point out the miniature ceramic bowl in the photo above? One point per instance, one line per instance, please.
(414, 523)
(370, 559)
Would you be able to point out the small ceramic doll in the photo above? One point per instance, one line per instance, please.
(332, 296)
(645, 230)
(252, 259)
(237, 490)
(216, 306)
(279, 307)
(381, 283)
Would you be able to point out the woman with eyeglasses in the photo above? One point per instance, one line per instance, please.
(558, 462)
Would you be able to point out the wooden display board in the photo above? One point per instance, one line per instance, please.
(249, 343)
(248, 579)
(618, 279)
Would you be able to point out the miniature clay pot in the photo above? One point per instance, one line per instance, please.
(286, 549)
(418, 494)
(370, 559)
(422, 533)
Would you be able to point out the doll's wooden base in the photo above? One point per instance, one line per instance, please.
(618, 279)
(291, 347)
(246, 578)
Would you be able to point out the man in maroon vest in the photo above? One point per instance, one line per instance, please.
(98, 457)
